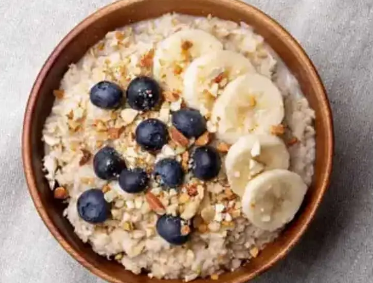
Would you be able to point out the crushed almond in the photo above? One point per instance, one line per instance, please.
(178, 70)
(254, 252)
(178, 137)
(114, 133)
(185, 230)
(186, 45)
(119, 35)
(100, 125)
(185, 160)
(100, 46)
(192, 190)
(214, 276)
(171, 96)
(184, 198)
(292, 141)
(204, 139)
(106, 188)
(219, 77)
(59, 93)
(154, 203)
(223, 147)
(252, 101)
(128, 226)
(278, 130)
(85, 157)
(202, 228)
(147, 60)
(228, 192)
(118, 256)
(60, 193)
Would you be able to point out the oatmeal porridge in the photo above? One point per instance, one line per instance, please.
(181, 146)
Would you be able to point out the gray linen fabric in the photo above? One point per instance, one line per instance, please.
(338, 36)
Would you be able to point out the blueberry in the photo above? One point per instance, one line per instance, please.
(169, 228)
(133, 181)
(92, 206)
(151, 134)
(143, 93)
(169, 173)
(106, 95)
(206, 163)
(190, 122)
(108, 164)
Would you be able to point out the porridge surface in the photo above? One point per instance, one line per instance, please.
(218, 216)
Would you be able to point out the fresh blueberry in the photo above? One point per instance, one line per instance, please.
(92, 206)
(106, 95)
(108, 164)
(133, 181)
(206, 163)
(143, 93)
(169, 173)
(151, 134)
(170, 228)
(190, 122)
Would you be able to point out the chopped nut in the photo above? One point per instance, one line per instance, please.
(147, 60)
(278, 130)
(118, 256)
(60, 193)
(227, 224)
(202, 228)
(106, 188)
(185, 160)
(99, 144)
(219, 77)
(254, 252)
(185, 230)
(184, 198)
(215, 276)
(228, 192)
(58, 93)
(100, 125)
(204, 139)
(223, 147)
(100, 46)
(128, 115)
(128, 226)
(235, 213)
(186, 45)
(87, 181)
(252, 101)
(114, 133)
(292, 141)
(154, 203)
(190, 210)
(119, 35)
(208, 214)
(85, 157)
(171, 96)
(178, 137)
(177, 70)
(192, 190)
(73, 125)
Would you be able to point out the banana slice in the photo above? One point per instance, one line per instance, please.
(176, 52)
(272, 199)
(250, 103)
(206, 77)
(251, 155)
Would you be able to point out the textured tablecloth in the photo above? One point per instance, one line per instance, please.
(338, 36)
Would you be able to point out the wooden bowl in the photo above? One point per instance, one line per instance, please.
(86, 34)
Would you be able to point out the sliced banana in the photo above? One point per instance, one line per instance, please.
(250, 103)
(251, 155)
(272, 199)
(176, 52)
(207, 75)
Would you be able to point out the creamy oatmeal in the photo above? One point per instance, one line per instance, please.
(181, 146)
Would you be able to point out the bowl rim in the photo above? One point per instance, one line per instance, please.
(35, 93)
